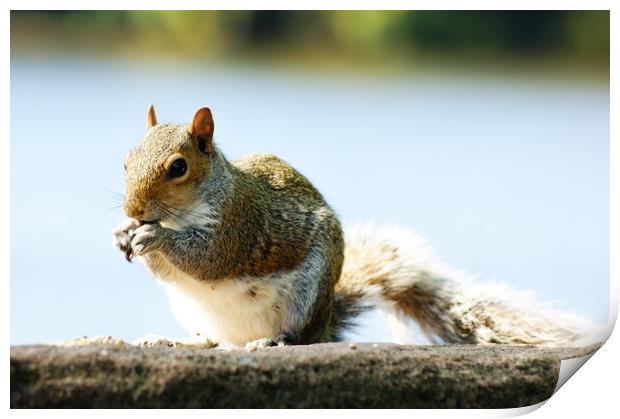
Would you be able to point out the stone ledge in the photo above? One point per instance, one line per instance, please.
(332, 375)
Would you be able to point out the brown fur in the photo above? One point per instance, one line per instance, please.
(270, 218)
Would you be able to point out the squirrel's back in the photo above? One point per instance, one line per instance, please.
(278, 175)
(290, 214)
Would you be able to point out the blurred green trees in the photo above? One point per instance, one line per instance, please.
(348, 36)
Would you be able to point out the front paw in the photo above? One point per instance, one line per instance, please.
(148, 238)
(122, 236)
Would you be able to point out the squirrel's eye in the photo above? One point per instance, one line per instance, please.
(177, 169)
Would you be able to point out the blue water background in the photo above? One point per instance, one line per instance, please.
(507, 177)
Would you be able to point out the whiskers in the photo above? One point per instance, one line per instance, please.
(201, 215)
(101, 204)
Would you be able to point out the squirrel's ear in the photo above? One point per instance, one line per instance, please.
(151, 120)
(201, 130)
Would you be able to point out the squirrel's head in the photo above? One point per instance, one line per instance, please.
(165, 169)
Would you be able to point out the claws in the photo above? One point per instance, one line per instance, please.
(129, 255)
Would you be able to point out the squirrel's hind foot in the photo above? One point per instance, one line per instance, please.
(263, 343)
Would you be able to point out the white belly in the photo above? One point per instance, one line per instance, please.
(231, 311)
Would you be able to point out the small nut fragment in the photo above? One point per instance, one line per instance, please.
(352, 346)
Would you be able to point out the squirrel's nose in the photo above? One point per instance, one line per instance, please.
(133, 211)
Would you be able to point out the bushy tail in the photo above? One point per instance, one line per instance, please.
(394, 269)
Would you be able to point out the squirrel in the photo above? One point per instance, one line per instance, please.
(251, 254)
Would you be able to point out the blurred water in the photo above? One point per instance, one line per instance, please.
(506, 178)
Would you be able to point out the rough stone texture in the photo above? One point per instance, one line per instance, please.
(313, 376)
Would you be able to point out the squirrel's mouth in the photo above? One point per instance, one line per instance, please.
(143, 222)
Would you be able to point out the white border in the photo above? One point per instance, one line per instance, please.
(592, 392)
